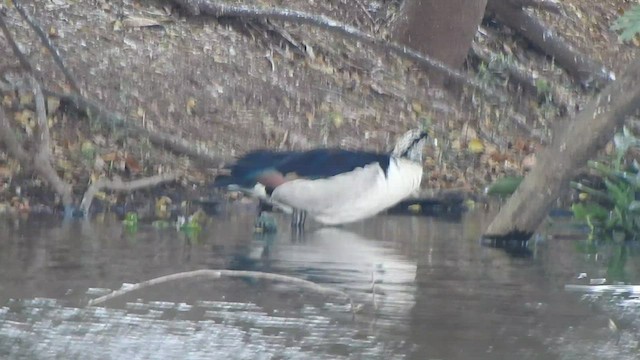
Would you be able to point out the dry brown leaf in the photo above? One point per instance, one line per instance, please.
(132, 164)
(112, 156)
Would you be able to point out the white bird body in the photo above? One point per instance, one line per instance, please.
(352, 196)
(333, 186)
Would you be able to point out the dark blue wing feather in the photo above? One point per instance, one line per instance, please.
(314, 164)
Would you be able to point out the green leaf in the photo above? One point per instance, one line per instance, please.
(504, 186)
(590, 210)
(628, 24)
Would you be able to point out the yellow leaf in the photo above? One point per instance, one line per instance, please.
(162, 207)
(337, 120)
(101, 195)
(415, 208)
(476, 146)
(310, 118)
(416, 106)
(26, 99)
(53, 103)
(7, 100)
(53, 32)
(26, 119)
(191, 105)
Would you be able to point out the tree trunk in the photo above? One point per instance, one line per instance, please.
(581, 139)
(441, 29)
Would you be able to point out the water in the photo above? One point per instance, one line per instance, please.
(423, 288)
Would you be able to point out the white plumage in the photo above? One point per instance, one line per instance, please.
(352, 196)
(333, 186)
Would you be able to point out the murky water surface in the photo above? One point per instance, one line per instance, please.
(424, 289)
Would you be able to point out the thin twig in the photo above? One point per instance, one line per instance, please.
(47, 43)
(43, 156)
(172, 143)
(119, 185)
(216, 274)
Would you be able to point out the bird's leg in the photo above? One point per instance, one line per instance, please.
(298, 218)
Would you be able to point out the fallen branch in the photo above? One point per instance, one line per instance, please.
(520, 75)
(588, 72)
(97, 111)
(173, 143)
(217, 274)
(221, 9)
(119, 185)
(47, 43)
(24, 62)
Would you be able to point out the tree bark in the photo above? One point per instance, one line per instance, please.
(441, 29)
(581, 139)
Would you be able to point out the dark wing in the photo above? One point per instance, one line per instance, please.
(313, 164)
(321, 163)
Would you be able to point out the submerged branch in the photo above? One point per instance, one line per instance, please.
(217, 274)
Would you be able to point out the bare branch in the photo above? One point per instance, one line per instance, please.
(219, 9)
(119, 185)
(216, 274)
(520, 75)
(588, 72)
(172, 143)
(43, 157)
(24, 62)
(47, 43)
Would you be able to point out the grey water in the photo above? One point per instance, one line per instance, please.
(423, 288)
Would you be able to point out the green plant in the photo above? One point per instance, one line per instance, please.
(628, 24)
(613, 212)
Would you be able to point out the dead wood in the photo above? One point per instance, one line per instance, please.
(219, 9)
(588, 72)
(41, 159)
(520, 76)
(170, 142)
(547, 5)
(557, 164)
(48, 44)
(217, 274)
(118, 185)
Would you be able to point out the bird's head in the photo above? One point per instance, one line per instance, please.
(411, 144)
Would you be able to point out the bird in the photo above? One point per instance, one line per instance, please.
(333, 186)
